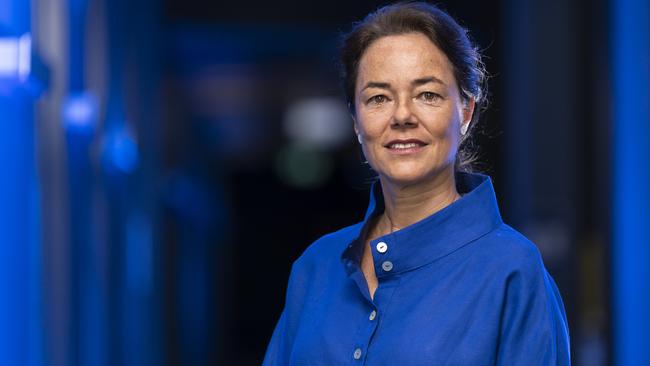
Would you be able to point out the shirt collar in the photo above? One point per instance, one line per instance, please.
(473, 215)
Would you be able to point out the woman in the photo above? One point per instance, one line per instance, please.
(431, 276)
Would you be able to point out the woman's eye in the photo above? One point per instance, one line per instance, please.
(377, 99)
(430, 96)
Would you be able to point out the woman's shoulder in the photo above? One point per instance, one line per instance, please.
(511, 250)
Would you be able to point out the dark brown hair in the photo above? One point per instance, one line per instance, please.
(443, 31)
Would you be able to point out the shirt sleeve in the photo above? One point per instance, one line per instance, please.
(279, 349)
(533, 329)
(276, 352)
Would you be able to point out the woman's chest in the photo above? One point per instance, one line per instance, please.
(413, 319)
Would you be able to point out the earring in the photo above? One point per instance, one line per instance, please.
(359, 138)
(463, 128)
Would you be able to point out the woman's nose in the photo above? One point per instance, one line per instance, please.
(403, 115)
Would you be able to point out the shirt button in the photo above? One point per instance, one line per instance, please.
(387, 266)
(373, 315)
(382, 247)
(357, 353)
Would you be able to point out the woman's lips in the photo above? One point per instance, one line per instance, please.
(402, 147)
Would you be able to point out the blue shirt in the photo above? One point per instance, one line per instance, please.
(459, 287)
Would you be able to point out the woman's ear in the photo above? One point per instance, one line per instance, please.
(468, 111)
(356, 129)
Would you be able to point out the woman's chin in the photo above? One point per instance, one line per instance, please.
(406, 176)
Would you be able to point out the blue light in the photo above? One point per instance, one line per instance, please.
(15, 57)
(80, 112)
(121, 151)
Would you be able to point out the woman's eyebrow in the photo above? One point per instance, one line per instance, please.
(376, 84)
(426, 80)
(416, 82)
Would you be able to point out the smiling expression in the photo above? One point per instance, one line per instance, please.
(408, 109)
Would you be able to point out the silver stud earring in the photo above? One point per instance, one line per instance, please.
(463, 128)
(359, 138)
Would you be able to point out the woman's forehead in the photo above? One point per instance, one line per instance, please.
(403, 58)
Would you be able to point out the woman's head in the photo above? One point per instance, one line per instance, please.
(411, 73)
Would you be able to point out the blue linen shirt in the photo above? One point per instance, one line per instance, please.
(459, 287)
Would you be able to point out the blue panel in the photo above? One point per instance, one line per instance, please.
(631, 206)
(20, 254)
(16, 164)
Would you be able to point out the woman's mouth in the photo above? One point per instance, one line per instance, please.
(409, 146)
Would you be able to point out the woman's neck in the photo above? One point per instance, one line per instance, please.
(408, 204)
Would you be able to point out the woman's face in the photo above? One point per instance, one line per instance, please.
(408, 109)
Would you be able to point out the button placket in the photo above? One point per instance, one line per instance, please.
(382, 301)
(382, 248)
(372, 315)
(365, 334)
(387, 266)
